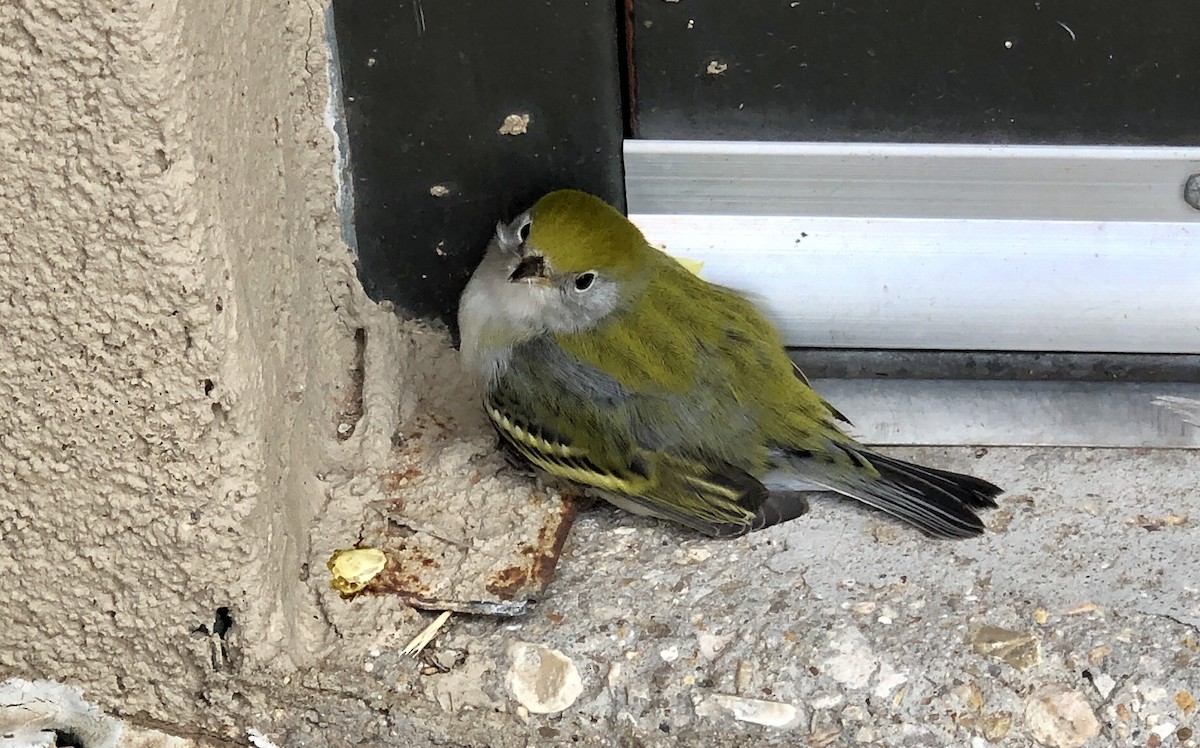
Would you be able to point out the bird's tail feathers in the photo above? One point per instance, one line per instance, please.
(938, 502)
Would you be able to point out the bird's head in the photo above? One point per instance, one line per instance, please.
(569, 261)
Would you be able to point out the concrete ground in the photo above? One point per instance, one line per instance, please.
(1076, 621)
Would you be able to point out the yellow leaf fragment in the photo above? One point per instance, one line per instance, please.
(353, 568)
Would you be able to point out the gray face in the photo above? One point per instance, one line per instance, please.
(537, 297)
(515, 295)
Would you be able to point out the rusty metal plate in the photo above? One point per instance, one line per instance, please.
(435, 573)
(462, 530)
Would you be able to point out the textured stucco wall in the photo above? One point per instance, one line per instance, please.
(175, 330)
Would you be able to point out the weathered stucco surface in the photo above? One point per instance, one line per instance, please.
(175, 333)
(198, 402)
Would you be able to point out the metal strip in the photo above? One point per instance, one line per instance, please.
(1006, 413)
(955, 251)
(951, 284)
(1078, 183)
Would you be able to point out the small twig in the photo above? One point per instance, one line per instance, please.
(421, 640)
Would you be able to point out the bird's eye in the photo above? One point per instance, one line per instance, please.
(584, 281)
(523, 232)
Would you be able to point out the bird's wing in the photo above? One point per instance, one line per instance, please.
(573, 459)
(607, 447)
(828, 406)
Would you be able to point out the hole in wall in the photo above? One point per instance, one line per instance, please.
(209, 386)
(221, 654)
(223, 622)
(67, 739)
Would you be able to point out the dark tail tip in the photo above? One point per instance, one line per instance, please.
(939, 502)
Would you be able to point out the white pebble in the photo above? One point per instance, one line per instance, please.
(1104, 684)
(755, 711)
(544, 681)
(1058, 717)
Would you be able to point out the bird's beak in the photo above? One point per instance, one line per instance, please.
(530, 268)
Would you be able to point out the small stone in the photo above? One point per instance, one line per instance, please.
(1040, 616)
(854, 663)
(1104, 684)
(1184, 733)
(1185, 702)
(754, 711)
(1163, 731)
(1153, 693)
(670, 654)
(888, 534)
(826, 701)
(1097, 655)
(614, 675)
(544, 681)
(968, 697)
(1019, 649)
(995, 726)
(439, 190)
(888, 679)
(853, 713)
(1058, 717)
(716, 67)
(743, 676)
(712, 645)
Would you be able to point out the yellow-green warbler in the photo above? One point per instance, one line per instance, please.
(607, 363)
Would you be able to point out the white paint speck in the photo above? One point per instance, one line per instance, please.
(515, 124)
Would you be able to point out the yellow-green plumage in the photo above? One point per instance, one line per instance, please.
(677, 399)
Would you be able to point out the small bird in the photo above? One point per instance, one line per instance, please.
(605, 362)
